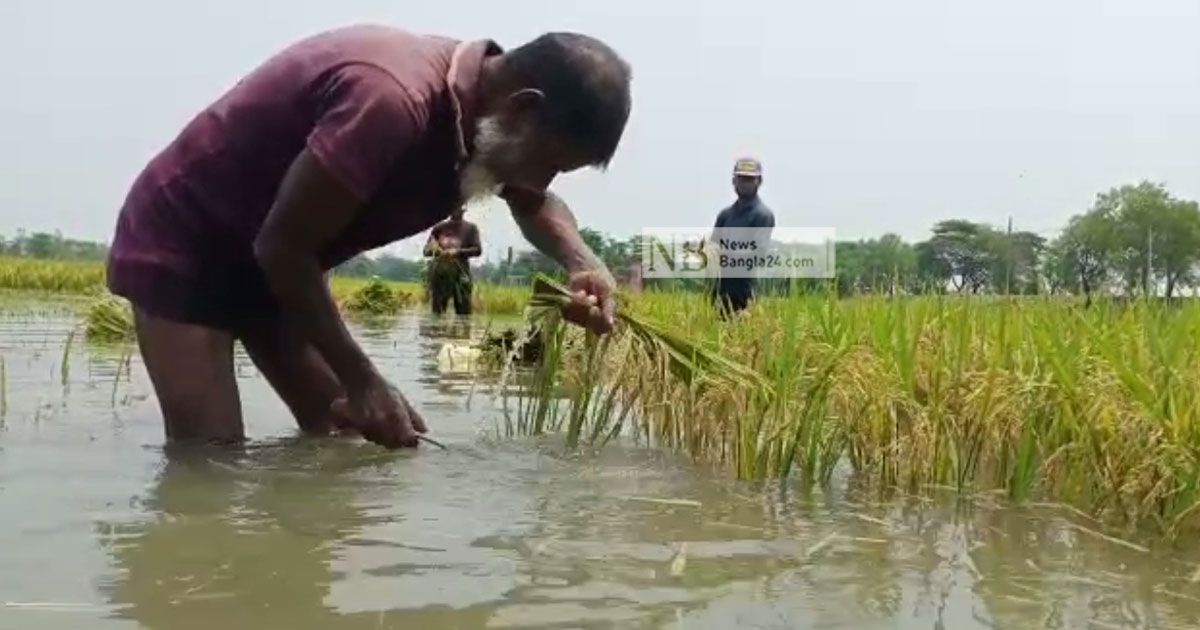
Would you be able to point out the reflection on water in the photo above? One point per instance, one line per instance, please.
(104, 528)
(228, 543)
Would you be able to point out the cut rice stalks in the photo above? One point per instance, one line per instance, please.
(589, 387)
(109, 320)
(688, 359)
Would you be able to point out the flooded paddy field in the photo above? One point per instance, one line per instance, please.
(101, 527)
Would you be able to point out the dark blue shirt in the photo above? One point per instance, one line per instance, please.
(746, 213)
(752, 213)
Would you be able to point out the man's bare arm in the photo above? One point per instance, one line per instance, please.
(548, 225)
(430, 246)
(310, 209)
(472, 248)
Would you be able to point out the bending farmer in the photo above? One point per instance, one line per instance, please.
(451, 245)
(341, 143)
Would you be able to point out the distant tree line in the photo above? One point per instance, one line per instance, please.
(517, 268)
(51, 246)
(384, 266)
(1136, 239)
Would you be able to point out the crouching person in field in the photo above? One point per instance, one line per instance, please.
(342, 143)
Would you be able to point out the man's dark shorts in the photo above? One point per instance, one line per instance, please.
(226, 299)
(456, 289)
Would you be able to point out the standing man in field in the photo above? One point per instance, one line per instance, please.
(341, 143)
(451, 246)
(733, 294)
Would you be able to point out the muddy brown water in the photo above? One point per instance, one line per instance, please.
(100, 527)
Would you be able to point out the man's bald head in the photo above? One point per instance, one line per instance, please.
(586, 87)
(552, 106)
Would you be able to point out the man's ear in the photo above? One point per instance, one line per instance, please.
(526, 100)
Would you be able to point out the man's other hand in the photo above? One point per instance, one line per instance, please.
(381, 415)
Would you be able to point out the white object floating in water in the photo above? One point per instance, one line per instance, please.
(679, 564)
(57, 606)
(821, 546)
(457, 358)
(1112, 539)
(672, 502)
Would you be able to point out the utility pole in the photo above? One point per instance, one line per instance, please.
(1008, 254)
(508, 267)
(1149, 259)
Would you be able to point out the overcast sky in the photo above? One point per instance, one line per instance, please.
(870, 115)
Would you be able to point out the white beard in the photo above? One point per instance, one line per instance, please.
(477, 182)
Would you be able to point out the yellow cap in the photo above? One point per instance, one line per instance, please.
(748, 167)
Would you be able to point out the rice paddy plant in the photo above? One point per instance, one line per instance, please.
(1039, 398)
(369, 297)
(538, 407)
(124, 365)
(109, 319)
(344, 288)
(378, 298)
(65, 368)
(52, 276)
(1097, 407)
(358, 295)
(580, 385)
(499, 299)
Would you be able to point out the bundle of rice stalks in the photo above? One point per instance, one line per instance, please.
(442, 266)
(688, 359)
(589, 387)
(109, 320)
(405, 299)
(376, 298)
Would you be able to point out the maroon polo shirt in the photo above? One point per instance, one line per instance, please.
(389, 113)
